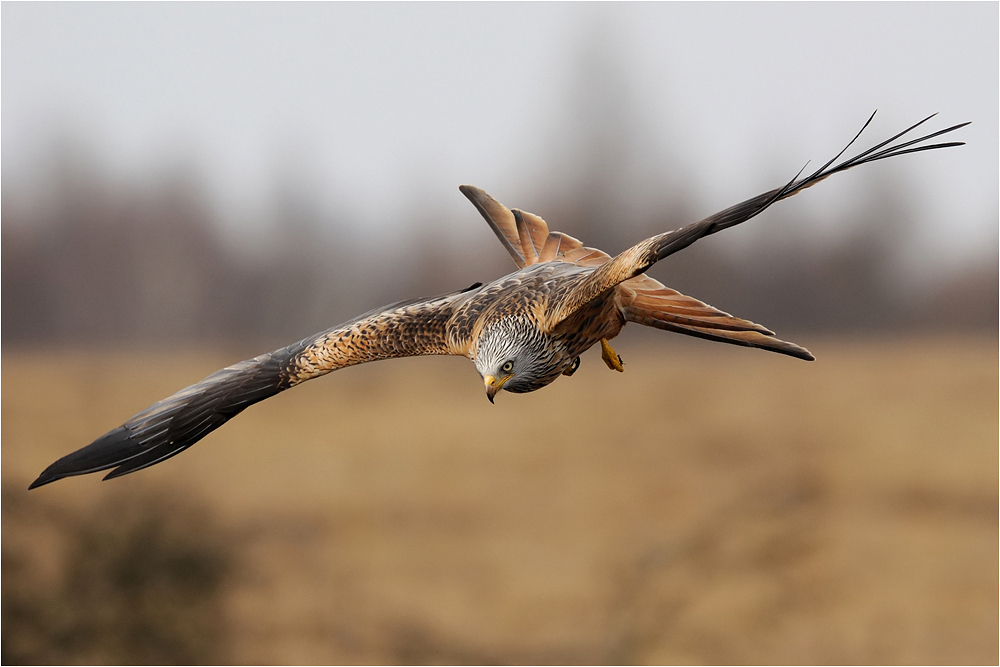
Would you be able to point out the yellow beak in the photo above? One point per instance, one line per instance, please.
(493, 385)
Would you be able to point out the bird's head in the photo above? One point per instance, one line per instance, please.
(514, 356)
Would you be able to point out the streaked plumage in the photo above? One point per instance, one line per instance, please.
(522, 330)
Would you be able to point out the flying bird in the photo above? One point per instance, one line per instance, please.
(522, 331)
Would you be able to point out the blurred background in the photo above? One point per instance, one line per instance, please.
(187, 185)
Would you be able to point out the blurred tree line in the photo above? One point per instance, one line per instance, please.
(109, 264)
(105, 266)
(103, 263)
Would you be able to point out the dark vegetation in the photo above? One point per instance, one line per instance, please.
(139, 578)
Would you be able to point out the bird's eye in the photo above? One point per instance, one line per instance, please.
(507, 367)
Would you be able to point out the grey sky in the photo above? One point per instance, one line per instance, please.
(369, 109)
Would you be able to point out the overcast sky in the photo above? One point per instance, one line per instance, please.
(372, 109)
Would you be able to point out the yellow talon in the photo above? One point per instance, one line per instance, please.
(611, 358)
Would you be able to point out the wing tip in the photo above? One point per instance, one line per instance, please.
(42, 481)
(784, 347)
(804, 355)
(110, 450)
(472, 192)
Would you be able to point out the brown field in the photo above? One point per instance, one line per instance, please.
(709, 505)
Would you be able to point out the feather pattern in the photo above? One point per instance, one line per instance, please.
(648, 302)
(172, 425)
(525, 235)
(531, 325)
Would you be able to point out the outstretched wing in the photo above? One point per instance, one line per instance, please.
(172, 425)
(640, 257)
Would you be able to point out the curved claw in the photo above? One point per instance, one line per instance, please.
(572, 367)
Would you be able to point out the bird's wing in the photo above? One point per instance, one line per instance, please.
(647, 301)
(640, 257)
(527, 237)
(410, 328)
(642, 299)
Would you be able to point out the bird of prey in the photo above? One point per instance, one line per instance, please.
(522, 331)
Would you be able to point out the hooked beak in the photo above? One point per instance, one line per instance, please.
(493, 385)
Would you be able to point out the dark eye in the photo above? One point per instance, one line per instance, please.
(507, 367)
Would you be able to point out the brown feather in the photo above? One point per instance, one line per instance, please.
(500, 220)
(528, 249)
(567, 244)
(584, 256)
(551, 248)
(537, 233)
(528, 240)
(669, 304)
(172, 425)
(647, 301)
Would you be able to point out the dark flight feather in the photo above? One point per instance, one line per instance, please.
(643, 255)
(172, 425)
(167, 428)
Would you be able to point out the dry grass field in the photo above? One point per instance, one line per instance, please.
(709, 505)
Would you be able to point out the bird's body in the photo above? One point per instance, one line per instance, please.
(518, 304)
(522, 331)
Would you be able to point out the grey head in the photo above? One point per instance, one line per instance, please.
(515, 356)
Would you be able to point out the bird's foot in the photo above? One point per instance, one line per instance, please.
(569, 370)
(611, 358)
